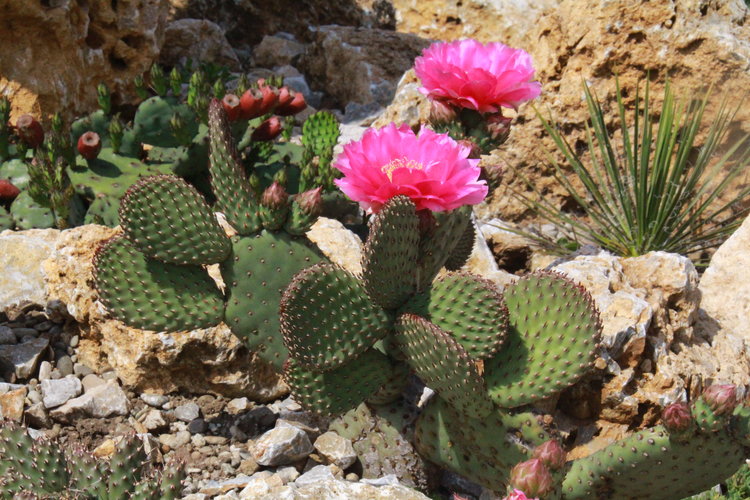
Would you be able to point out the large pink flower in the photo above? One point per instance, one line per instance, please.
(432, 169)
(469, 74)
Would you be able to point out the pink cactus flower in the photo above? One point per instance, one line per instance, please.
(722, 398)
(432, 169)
(483, 77)
(531, 476)
(518, 495)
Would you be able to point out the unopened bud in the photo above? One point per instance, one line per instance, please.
(275, 196)
(551, 454)
(89, 145)
(268, 130)
(296, 105)
(441, 112)
(231, 104)
(676, 417)
(532, 477)
(499, 127)
(30, 130)
(722, 398)
(518, 495)
(311, 201)
(8, 191)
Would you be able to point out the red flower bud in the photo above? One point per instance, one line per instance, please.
(532, 477)
(268, 130)
(30, 130)
(677, 417)
(270, 96)
(296, 105)
(250, 104)
(722, 398)
(441, 112)
(8, 191)
(310, 201)
(551, 454)
(89, 145)
(232, 106)
(275, 196)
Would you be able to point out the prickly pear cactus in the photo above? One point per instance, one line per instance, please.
(153, 276)
(41, 468)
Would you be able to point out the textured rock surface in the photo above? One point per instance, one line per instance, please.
(54, 53)
(201, 361)
(21, 254)
(282, 446)
(197, 40)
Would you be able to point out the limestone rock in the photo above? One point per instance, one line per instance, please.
(339, 244)
(56, 392)
(21, 254)
(22, 360)
(336, 449)
(54, 56)
(278, 50)
(11, 404)
(211, 360)
(196, 40)
(282, 445)
(100, 402)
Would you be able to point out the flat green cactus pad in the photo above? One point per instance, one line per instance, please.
(552, 340)
(462, 251)
(443, 365)
(16, 171)
(389, 257)
(437, 247)
(328, 319)
(154, 295)
(650, 465)
(168, 220)
(469, 308)
(29, 214)
(258, 270)
(339, 390)
(482, 449)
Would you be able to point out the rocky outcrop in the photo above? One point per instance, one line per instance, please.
(196, 40)
(54, 53)
(21, 252)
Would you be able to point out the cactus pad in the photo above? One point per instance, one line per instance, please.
(327, 318)
(552, 340)
(153, 295)
(462, 251)
(167, 219)
(438, 245)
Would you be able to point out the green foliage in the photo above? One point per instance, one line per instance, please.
(656, 190)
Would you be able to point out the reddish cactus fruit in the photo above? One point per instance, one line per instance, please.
(311, 201)
(250, 104)
(676, 417)
(275, 196)
(268, 130)
(284, 98)
(294, 106)
(89, 145)
(722, 398)
(8, 191)
(231, 104)
(551, 454)
(270, 98)
(30, 130)
(532, 477)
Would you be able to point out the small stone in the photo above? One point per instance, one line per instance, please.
(22, 333)
(45, 370)
(238, 405)
(155, 400)
(336, 449)
(287, 474)
(23, 358)
(282, 445)
(43, 326)
(34, 396)
(154, 420)
(58, 392)
(352, 477)
(11, 404)
(90, 381)
(198, 440)
(312, 432)
(74, 341)
(197, 426)
(187, 412)
(248, 466)
(5, 387)
(109, 375)
(7, 336)
(317, 473)
(101, 402)
(65, 366)
(216, 440)
(106, 449)
(36, 416)
(389, 479)
(82, 370)
(218, 488)
(174, 441)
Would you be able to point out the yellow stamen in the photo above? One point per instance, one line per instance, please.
(402, 162)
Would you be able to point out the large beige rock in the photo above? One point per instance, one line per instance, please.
(54, 54)
(21, 254)
(196, 40)
(211, 360)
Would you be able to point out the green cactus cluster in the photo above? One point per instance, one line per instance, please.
(153, 275)
(490, 356)
(40, 468)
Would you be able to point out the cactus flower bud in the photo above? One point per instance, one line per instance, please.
(275, 196)
(30, 130)
(89, 145)
(722, 398)
(499, 127)
(676, 417)
(440, 112)
(8, 191)
(311, 201)
(268, 130)
(231, 104)
(532, 477)
(296, 105)
(551, 454)
(518, 495)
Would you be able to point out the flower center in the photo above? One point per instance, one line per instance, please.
(402, 162)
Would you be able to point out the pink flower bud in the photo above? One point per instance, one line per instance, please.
(310, 201)
(232, 106)
(677, 417)
(268, 130)
(89, 145)
(8, 191)
(474, 151)
(532, 477)
(294, 106)
(518, 495)
(250, 104)
(441, 112)
(722, 398)
(275, 196)
(551, 454)
(498, 126)
(30, 130)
